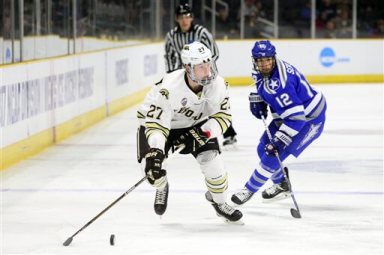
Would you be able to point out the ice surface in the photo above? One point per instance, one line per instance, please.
(338, 184)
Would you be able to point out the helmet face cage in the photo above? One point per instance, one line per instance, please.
(263, 49)
(195, 56)
(203, 81)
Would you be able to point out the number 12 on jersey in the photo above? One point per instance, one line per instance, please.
(283, 100)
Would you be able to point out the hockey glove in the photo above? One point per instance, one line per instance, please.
(192, 139)
(257, 106)
(279, 142)
(153, 161)
(200, 137)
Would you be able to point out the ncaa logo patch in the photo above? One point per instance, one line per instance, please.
(184, 101)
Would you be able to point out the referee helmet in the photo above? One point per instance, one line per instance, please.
(183, 9)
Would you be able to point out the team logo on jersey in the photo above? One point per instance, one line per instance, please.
(272, 85)
(313, 131)
(184, 101)
(165, 93)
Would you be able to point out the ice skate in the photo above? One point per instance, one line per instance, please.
(276, 192)
(242, 196)
(161, 200)
(225, 211)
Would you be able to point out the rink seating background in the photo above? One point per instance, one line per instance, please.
(46, 46)
(45, 101)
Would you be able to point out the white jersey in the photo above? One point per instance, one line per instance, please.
(171, 104)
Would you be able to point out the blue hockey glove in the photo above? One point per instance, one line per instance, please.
(279, 142)
(257, 106)
(154, 159)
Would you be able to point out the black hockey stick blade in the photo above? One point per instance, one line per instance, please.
(295, 213)
(68, 241)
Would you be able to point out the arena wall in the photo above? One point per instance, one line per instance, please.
(44, 101)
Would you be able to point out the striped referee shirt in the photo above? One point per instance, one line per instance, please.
(176, 39)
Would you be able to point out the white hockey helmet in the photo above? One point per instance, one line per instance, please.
(195, 54)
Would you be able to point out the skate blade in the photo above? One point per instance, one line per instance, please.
(229, 147)
(279, 197)
(238, 222)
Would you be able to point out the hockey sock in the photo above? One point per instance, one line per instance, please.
(215, 175)
(277, 177)
(258, 178)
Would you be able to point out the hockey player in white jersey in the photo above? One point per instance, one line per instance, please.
(298, 112)
(188, 107)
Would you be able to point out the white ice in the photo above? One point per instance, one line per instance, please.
(338, 184)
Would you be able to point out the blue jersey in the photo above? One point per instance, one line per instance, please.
(292, 101)
(298, 111)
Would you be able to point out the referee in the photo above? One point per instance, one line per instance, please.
(184, 33)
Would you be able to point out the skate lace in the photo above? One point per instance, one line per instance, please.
(244, 194)
(160, 196)
(227, 209)
(273, 189)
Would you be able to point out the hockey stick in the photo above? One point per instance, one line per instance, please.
(69, 240)
(294, 212)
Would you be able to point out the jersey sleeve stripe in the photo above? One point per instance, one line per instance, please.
(314, 103)
(286, 129)
(292, 110)
(140, 115)
(223, 125)
(319, 109)
(151, 127)
(282, 72)
(222, 115)
(149, 132)
(300, 117)
(223, 119)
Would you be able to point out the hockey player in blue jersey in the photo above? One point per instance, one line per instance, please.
(298, 116)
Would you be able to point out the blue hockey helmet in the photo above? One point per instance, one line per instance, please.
(263, 49)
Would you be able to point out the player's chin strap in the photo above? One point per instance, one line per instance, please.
(294, 212)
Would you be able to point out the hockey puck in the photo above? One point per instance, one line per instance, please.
(112, 240)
